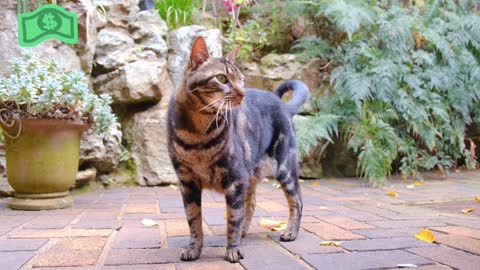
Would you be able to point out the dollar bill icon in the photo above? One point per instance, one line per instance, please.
(47, 22)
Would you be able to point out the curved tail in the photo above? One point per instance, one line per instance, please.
(300, 96)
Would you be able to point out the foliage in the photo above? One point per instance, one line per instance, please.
(407, 82)
(37, 89)
(253, 38)
(176, 12)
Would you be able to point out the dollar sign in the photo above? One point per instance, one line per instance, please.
(49, 22)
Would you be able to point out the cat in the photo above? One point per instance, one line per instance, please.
(224, 137)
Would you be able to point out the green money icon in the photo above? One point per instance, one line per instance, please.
(47, 22)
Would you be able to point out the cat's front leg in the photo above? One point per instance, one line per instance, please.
(235, 198)
(192, 200)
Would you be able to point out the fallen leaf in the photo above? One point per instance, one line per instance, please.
(149, 222)
(323, 207)
(273, 225)
(301, 181)
(468, 210)
(265, 180)
(417, 183)
(410, 186)
(477, 198)
(225, 216)
(406, 265)
(277, 186)
(333, 180)
(392, 193)
(174, 187)
(315, 184)
(330, 243)
(425, 235)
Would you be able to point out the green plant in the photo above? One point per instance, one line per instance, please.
(37, 89)
(250, 40)
(176, 12)
(407, 82)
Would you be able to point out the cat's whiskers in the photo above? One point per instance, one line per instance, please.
(193, 90)
(215, 117)
(210, 105)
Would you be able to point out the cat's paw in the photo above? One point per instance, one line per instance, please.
(288, 236)
(233, 255)
(190, 254)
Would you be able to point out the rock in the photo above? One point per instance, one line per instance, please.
(101, 152)
(275, 69)
(5, 189)
(119, 11)
(114, 50)
(150, 32)
(137, 82)
(180, 42)
(89, 20)
(85, 176)
(149, 147)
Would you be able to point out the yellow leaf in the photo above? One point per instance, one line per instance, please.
(330, 243)
(392, 193)
(225, 216)
(265, 180)
(301, 181)
(417, 183)
(468, 210)
(273, 225)
(149, 222)
(278, 186)
(477, 198)
(425, 235)
(410, 186)
(323, 207)
(315, 184)
(174, 187)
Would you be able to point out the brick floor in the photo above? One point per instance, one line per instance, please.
(103, 230)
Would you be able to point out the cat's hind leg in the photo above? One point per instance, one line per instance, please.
(287, 176)
(249, 205)
(192, 200)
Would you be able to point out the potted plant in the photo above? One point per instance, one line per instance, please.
(43, 113)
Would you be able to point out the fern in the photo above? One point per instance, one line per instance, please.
(315, 128)
(406, 83)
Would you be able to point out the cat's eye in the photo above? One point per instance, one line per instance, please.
(221, 78)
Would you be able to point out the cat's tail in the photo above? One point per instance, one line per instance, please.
(300, 95)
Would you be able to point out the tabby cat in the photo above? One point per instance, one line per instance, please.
(224, 137)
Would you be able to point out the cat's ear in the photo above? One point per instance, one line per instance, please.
(199, 53)
(232, 55)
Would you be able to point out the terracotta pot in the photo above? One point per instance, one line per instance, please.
(42, 162)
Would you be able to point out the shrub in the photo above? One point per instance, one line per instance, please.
(407, 83)
(176, 12)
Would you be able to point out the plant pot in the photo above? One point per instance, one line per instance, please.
(42, 162)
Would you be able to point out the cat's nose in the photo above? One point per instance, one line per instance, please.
(240, 92)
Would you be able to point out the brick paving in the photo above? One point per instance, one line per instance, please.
(102, 231)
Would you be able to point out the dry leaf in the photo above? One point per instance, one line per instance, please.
(265, 180)
(315, 184)
(323, 207)
(330, 243)
(225, 216)
(406, 265)
(417, 183)
(477, 198)
(468, 210)
(149, 222)
(273, 225)
(425, 235)
(174, 187)
(392, 193)
(277, 186)
(301, 181)
(410, 186)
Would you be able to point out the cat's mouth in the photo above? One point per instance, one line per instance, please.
(234, 99)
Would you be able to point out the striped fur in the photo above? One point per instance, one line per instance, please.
(224, 137)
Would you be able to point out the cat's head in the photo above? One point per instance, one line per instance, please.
(215, 83)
